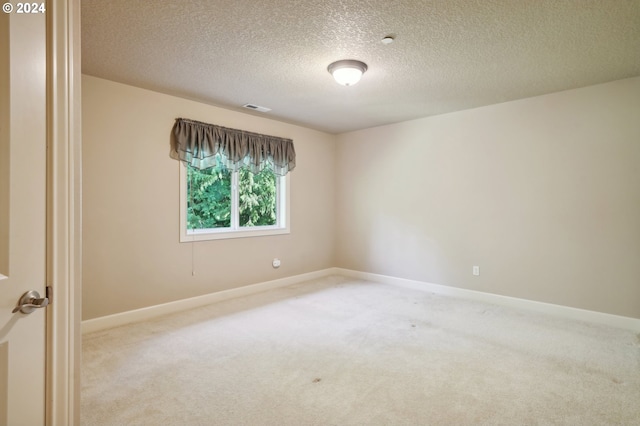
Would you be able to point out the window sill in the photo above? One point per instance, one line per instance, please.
(205, 235)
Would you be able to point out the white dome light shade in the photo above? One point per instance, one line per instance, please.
(347, 76)
(347, 72)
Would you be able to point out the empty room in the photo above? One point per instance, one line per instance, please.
(360, 212)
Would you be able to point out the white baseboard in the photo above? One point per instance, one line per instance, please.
(116, 320)
(617, 321)
(123, 318)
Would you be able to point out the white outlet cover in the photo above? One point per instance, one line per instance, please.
(476, 270)
(276, 263)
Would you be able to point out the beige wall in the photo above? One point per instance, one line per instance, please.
(543, 194)
(132, 257)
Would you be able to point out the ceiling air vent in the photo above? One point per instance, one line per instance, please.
(256, 107)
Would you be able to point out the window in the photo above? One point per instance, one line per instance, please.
(216, 203)
(231, 182)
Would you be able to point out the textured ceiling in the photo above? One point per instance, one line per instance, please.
(448, 55)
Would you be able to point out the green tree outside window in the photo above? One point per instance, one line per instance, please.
(209, 198)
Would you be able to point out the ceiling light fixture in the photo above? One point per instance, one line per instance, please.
(348, 71)
(388, 39)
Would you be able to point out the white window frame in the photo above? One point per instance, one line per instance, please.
(282, 225)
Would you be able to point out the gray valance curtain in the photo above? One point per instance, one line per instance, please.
(196, 143)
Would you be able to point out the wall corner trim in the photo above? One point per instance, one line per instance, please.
(142, 314)
(567, 312)
(627, 323)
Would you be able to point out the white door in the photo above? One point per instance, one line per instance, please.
(23, 135)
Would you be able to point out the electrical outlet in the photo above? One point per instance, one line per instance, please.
(476, 270)
(276, 263)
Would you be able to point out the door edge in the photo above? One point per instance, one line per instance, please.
(64, 238)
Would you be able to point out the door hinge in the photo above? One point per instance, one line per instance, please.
(49, 294)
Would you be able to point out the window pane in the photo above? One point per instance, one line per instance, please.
(208, 198)
(257, 198)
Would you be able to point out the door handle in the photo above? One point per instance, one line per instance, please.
(30, 301)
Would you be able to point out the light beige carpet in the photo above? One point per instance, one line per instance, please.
(342, 352)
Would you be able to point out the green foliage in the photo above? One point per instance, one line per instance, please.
(257, 198)
(209, 198)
